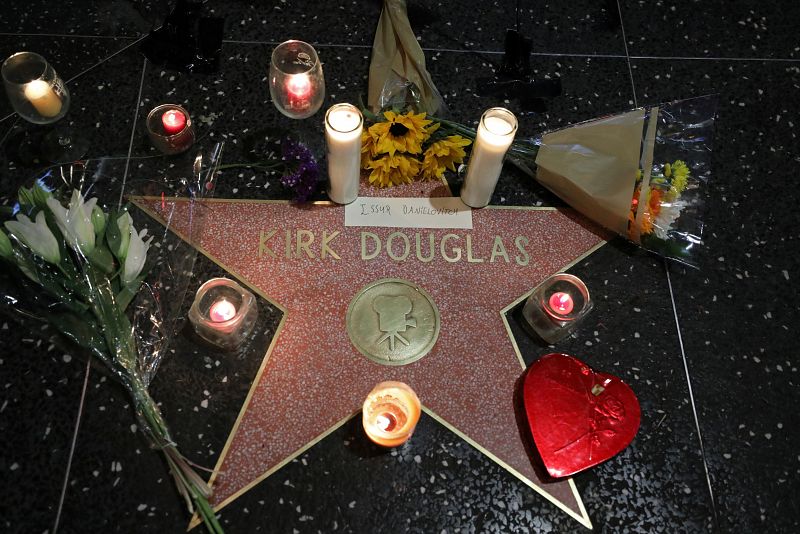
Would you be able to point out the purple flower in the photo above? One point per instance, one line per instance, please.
(302, 171)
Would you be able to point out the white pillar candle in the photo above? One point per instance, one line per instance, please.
(343, 127)
(44, 99)
(495, 134)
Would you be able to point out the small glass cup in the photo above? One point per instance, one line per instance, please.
(223, 313)
(166, 141)
(296, 82)
(36, 92)
(556, 306)
(390, 414)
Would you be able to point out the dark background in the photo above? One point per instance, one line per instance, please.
(711, 353)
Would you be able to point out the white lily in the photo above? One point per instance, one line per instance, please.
(36, 235)
(124, 223)
(75, 222)
(137, 254)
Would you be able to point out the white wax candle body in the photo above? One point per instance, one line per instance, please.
(343, 127)
(495, 135)
(43, 97)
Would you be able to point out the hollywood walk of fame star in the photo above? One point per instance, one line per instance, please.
(305, 261)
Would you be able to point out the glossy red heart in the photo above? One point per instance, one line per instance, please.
(578, 417)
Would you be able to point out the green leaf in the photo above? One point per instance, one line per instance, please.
(101, 258)
(81, 329)
(127, 294)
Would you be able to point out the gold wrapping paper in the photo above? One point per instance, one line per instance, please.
(592, 166)
(397, 57)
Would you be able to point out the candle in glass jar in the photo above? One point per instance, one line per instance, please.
(495, 134)
(221, 311)
(43, 97)
(343, 127)
(391, 412)
(561, 303)
(298, 88)
(173, 121)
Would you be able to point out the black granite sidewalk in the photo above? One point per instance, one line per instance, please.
(711, 353)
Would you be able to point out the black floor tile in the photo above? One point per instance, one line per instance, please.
(577, 27)
(712, 28)
(103, 17)
(41, 391)
(435, 24)
(738, 313)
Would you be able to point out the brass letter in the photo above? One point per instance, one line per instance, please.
(470, 259)
(521, 241)
(457, 250)
(376, 240)
(389, 250)
(498, 249)
(288, 244)
(419, 248)
(262, 244)
(325, 248)
(302, 244)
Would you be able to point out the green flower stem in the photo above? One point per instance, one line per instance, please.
(265, 165)
(121, 346)
(519, 148)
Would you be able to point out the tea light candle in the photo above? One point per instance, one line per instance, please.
(43, 97)
(391, 412)
(561, 303)
(170, 128)
(343, 127)
(556, 306)
(223, 312)
(495, 134)
(298, 87)
(173, 121)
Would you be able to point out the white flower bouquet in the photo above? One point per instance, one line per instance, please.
(81, 267)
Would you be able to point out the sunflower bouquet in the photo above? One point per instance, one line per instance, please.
(399, 148)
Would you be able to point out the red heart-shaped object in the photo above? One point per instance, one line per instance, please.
(578, 417)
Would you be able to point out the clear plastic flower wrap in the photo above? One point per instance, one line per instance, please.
(108, 284)
(643, 174)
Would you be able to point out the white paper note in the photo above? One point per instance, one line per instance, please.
(443, 212)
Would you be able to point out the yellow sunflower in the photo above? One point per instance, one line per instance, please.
(393, 170)
(367, 149)
(443, 155)
(400, 133)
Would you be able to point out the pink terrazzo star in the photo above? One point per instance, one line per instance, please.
(467, 380)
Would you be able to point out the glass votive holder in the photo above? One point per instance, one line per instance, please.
(223, 313)
(296, 82)
(343, 126)
(556, 306)
(391, 412)
(495, 134)
(170, 129)
(34, 89)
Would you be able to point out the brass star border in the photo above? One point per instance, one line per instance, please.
(146, 204)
